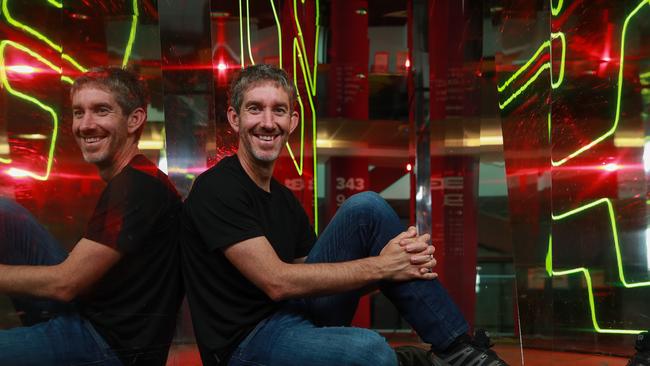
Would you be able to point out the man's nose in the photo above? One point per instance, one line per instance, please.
(268, 119)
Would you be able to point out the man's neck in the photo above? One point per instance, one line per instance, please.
(260, 173)
(108, 172)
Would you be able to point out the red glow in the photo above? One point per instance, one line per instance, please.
(409, 167)
(611, 167)
(222, 66)
(17, 173)
(21, 69)
(407, 63)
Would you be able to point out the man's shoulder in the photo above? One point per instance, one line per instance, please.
(223, 179)
(144, 178)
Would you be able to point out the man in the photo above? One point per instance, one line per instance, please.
(263, 291)
(113, 299)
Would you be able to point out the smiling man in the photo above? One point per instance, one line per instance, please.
(264, 291)
(113, 299)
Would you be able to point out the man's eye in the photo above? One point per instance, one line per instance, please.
(253, 109)
(102, 111)
(280, 111)
(77, 114)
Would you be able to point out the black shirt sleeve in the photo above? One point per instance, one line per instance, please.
(123, 215)
(221, 210)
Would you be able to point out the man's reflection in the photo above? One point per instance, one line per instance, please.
(113, 299)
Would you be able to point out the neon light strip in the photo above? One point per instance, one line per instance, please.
(546, 65)
(10, 90)
(38, 35)
(618, 95)
(132, 33)
(612, 219)
(56, 4)
(241, 37)
(5, 161)
(592, 303)
(555, 10)
(279, 28)
(248, 32)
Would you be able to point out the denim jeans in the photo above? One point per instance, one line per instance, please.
(53, 333)
(315, 331)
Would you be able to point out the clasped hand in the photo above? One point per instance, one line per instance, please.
(409, 256)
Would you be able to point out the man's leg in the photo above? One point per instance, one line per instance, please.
(362, 227)
(64, 340)
(289, 339)
(23, 241)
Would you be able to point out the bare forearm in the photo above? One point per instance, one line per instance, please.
(33, 281)
(303, 280)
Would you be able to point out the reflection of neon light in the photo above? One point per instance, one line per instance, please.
(33, 32)
(248, 32)
(279, 28)
(241, 37)
(555, 10)
(56, 4)
(546, 66)
(10, 90)
(5, 161)
(612, 220)
(592, 303)
(618, 95)
(132, 32)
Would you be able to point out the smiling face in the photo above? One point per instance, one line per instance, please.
(264, 123)
(104, 134)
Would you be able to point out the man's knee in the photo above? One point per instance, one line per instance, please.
(372, 349)
(366, 201)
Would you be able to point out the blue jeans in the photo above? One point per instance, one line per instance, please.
(53, 333)
(315, 331)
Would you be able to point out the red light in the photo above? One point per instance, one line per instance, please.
(21, 69)
(221, 66)
(409, 167)
(407, 63)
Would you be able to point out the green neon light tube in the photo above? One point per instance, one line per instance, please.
(55, 121)
(618, 93)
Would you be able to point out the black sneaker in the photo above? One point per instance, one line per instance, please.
(642, 346)
(412, 356)
(476, 352)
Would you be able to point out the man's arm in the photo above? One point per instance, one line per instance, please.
(256, 259)
(87, 263)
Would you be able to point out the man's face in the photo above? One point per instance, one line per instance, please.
(98, 125)
(264, 121)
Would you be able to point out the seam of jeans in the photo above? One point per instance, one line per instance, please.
(244, 343)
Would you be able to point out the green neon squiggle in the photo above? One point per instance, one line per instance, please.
(56, 4)
(132, 33)
(618, 94)
(248, 33)
(27, 29)
(241, 37)
(590, 291)
(10, 90)
(5, 161)
(545, 66)
(279, 29)
(555, 10)
(612, 220)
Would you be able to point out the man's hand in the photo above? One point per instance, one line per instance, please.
(408, 257)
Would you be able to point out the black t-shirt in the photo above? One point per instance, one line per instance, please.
(226, 207)
(134, 306)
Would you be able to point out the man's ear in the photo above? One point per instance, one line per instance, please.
(233, 119)
(295, 118)
(136, 120)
